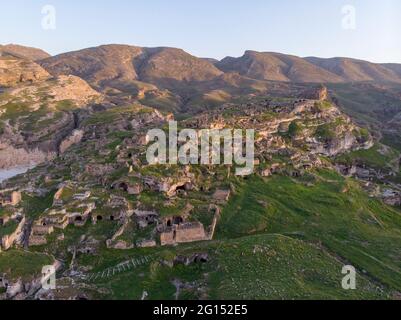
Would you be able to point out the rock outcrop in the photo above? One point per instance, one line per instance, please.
(74, 138)
(38, 115)
(15, 238)
(15, 71)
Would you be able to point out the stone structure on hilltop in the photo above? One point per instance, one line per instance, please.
(320, 93)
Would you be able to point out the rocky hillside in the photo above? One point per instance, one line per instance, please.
(167, 78)
(276, 67)
(394, 67)
(281, 67)
(114, 64)
(14, 71)
(104, 214)
(100, 66)
(23, 52)
(38, 112)
(114, 226)
(351, 70)
(172, 80)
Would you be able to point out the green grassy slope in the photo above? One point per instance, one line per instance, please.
(24, 265)
(366, 102)
(252, 267)
(333, 213)
(278, 238)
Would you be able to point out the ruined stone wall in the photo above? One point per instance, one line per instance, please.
(195, 232)
(167, 238)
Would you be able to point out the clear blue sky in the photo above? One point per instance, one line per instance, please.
(209, 28)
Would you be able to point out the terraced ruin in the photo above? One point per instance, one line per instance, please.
(325, 192)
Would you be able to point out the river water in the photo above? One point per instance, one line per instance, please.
(9, 173)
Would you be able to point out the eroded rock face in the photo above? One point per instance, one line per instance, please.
(38, 114)
(14, 289)
(75, 137)
(11, 157)
(16, 237)
(74, 89)
(338, 145)
(20, 147)
(14, 71)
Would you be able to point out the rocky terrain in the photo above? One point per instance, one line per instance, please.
(15, 71)
(175, 81)
(23, 52)
(325, 191)
(37, 111)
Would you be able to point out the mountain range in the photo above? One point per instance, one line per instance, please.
(173, 80)
(112, 62)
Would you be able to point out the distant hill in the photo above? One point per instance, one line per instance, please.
(99, 65)
(289, 68)
(276, 67)
(167, 78)
(351, 70)
(29, 53)
(172, 79)
(111, 64)
(396, 68)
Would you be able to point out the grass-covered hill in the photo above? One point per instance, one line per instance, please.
(285, 233)
(278, 238)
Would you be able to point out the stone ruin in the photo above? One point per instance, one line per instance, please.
(8, 198)
(183, 233)
(145, 218)
(39, 233)
(317, 93)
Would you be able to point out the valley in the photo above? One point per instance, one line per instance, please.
(325, 191)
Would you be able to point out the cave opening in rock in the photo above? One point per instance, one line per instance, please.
(181, 188)
(123, 186)
(178, 220)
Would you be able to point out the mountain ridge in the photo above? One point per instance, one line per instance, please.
(162, 64)
(24, 52)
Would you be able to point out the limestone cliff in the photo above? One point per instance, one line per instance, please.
(38, 118)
